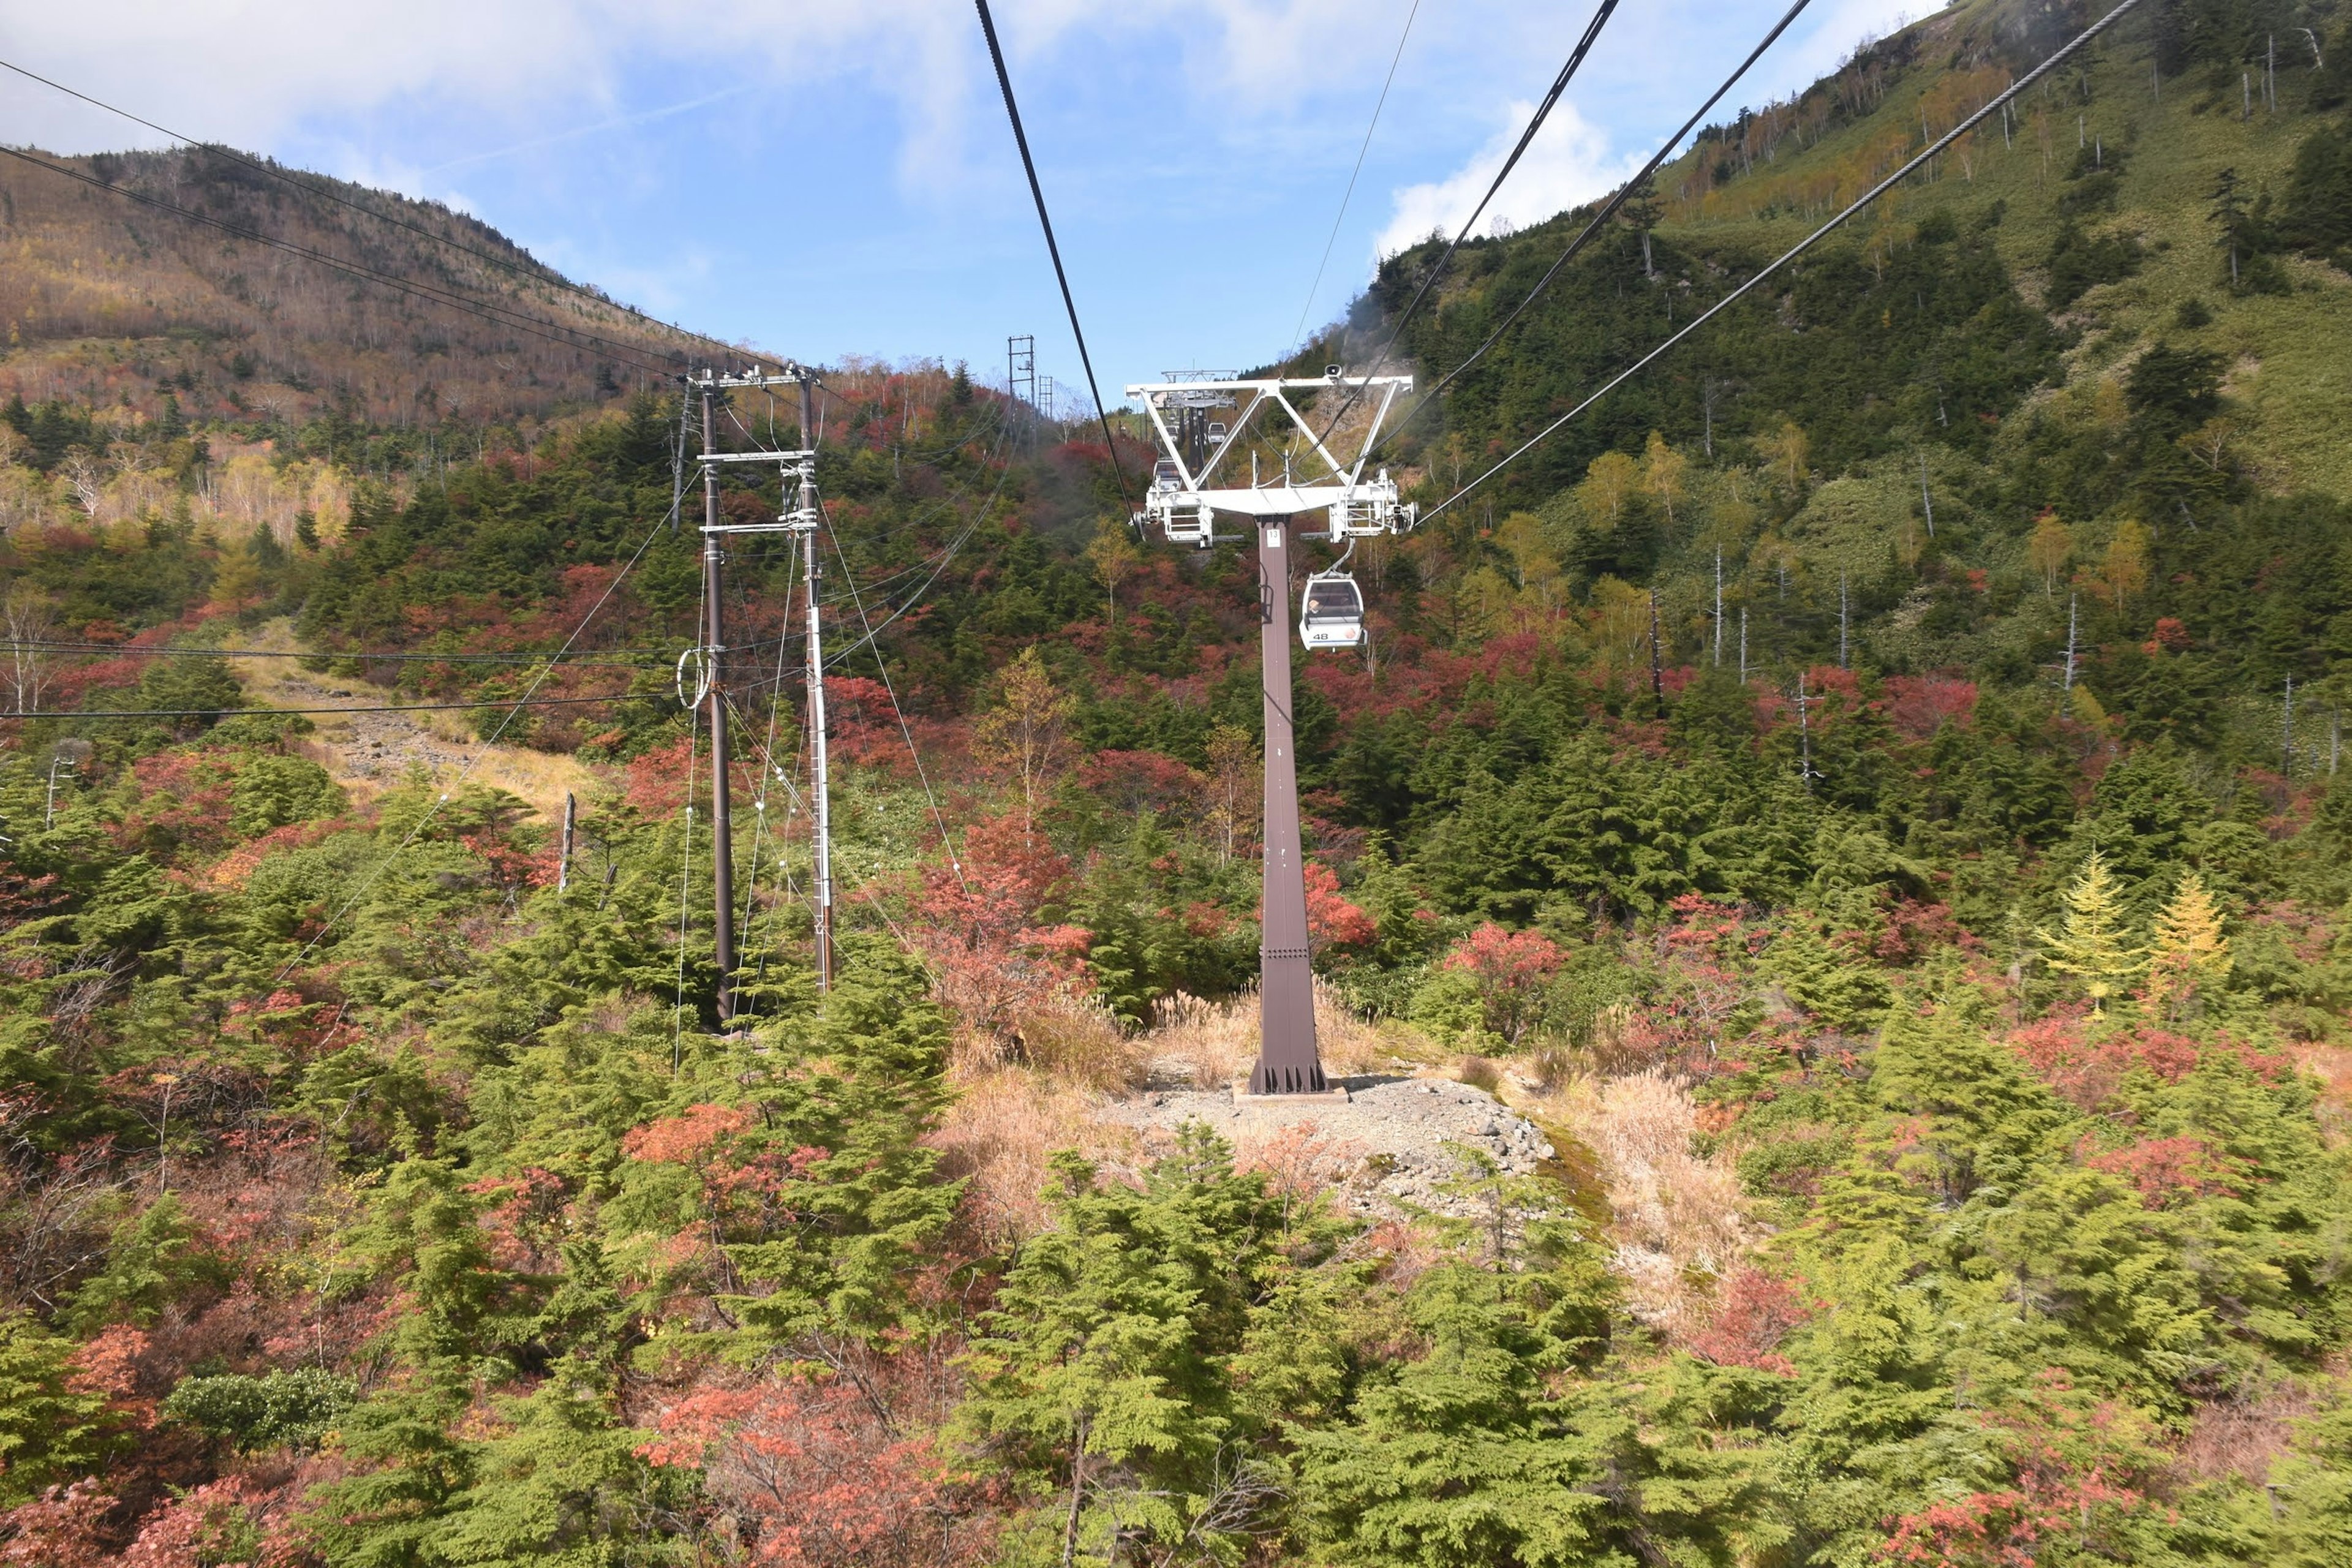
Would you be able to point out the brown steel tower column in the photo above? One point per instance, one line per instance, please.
(1286, 1058)
(723, 845)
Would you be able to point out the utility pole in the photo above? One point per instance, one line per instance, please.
(49, 811)
(1198, 476)
(802, 520)
(563, 856)
(1805, 734)
(820, 795)
(714, 653)
(1021, 371)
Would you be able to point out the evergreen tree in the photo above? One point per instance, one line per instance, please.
(2190, 951)
(2092, 945)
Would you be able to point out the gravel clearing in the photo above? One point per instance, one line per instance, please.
(1382, 1150)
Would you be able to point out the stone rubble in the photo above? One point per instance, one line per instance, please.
(1382, 1150)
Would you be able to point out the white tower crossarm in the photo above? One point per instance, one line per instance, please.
(1179, 494)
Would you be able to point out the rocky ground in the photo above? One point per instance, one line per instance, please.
(369, 752)
(1383, 1150)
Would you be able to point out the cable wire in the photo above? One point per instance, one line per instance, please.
(1298, 331)
(1543, 111)
(904, 728)
(121, 650)
(1599, 220)
(376, 875)
(1029, 166)
(498, 314)
(288, 177)
(1932, 149)
(250, 712)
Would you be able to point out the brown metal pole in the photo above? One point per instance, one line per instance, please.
(1287, 1062)
(723, 846)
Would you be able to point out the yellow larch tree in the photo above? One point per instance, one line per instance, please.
(2190, 951)
(2092, 945)
(1024, 730)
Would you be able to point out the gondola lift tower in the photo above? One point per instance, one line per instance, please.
(1200, 425)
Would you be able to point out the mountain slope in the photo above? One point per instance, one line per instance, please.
(104, 299)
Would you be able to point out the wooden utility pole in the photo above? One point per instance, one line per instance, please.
(722, 844)
(1288, 1060)
(563, 856)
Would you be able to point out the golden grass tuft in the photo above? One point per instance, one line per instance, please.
(1676, 1216)
(1212, 1044)
(997, 1133)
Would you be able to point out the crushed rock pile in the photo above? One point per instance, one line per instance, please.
(1382, 1150)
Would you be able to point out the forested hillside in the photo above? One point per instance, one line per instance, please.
(1868, 793)
(115, 296)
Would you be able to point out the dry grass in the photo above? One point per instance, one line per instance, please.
(1676, 1216)
(1213, 1043)
(1077, 1041)
(1003, 1124)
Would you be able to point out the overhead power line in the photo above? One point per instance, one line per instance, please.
(1298, 331)
(499, 315)
(1599, 220)
(118, 650)
(1992, 106)
(266, 712)
(1044, 219)
(1535, 124)
(288, 177)
(375, 873)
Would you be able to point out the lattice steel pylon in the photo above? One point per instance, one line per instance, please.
(1191, 484)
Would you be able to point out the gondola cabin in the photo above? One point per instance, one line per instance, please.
(1332, 614)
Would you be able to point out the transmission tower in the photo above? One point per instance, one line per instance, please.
(1200, 425)
(799, 519)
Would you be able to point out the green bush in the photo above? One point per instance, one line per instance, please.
(278, 1409)
(272, 791)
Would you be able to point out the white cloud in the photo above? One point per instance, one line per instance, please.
(1567, 162)
(247, 71)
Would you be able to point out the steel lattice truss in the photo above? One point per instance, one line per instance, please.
(1195, 478)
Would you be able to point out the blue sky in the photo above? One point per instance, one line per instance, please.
(833, 177)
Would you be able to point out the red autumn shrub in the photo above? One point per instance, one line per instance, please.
(817, 1473)
(657, 778)
(978, 921)
(1137, 781)
(2086, 1064)
(1331, 920)
(1920, 705)
(2169, 1169)
(64, 1527)
(1753, 1313)
(1512, 969)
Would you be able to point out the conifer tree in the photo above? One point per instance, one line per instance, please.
(2190, 951)
(2092, 947)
